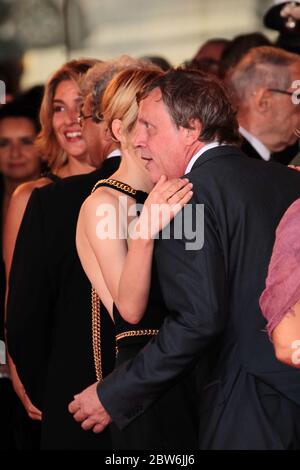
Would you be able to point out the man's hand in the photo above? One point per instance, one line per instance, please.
(88, 410)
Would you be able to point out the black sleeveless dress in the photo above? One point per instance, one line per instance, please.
(51, 176)
(171, 422)
(18, 430)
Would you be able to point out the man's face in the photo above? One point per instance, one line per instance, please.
(92, 133)
(162, 144)
(285, 116)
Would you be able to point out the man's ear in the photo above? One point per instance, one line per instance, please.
(263, 100)
(192, 134)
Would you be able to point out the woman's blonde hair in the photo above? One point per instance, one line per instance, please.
(46, 141)
(119, 99)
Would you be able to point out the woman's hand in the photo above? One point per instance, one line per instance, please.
(165, 200)
(294, 167)
(32, 411)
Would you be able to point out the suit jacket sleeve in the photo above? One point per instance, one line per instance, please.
(29, 302)
(194, 288)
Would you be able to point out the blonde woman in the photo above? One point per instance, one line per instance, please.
(119, 263)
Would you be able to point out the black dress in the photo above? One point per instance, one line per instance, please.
(7, 394)
(51, 176)
(49, 311)
(171, 423)
(18, 431)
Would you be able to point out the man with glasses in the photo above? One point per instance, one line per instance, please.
(266, 96)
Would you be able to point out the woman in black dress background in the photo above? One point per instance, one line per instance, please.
(64, 154)
(49, 302)
(19, 162)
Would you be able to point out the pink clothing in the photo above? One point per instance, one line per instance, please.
(282, 290)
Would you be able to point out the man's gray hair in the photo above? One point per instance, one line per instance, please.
(98, 77)
(263, 66)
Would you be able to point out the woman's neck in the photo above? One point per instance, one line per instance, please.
(134, 175)
(74, 167)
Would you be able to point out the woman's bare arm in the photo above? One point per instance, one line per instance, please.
(125, 268)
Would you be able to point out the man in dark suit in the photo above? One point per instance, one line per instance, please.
(262, 84)
(248, 400)
(49, 319)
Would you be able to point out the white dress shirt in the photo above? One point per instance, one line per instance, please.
(198, 154)
(261, 149)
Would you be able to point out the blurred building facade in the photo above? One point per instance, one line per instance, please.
(107, 28)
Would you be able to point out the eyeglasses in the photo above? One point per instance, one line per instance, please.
(97, 117)
(283, 92)
(81, 118)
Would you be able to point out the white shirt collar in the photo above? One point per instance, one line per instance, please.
(114, 153)
(261, 149)
(199, 153)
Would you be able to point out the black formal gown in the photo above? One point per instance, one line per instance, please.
(49, 322)
(8, 398)
(17, 430)
(171, 423)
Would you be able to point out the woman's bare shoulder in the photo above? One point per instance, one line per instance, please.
(102, 195)
(21, 195)
(24, 190)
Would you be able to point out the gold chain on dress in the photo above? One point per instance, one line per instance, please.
(117, 184)
(126, 334)
(96, 304)
(136, 333)
(96, 334)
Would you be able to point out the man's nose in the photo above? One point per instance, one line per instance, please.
(138, 139)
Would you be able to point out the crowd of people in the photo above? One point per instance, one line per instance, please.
(150, 270)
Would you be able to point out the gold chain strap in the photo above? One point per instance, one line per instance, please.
(148, 332)
(96, 334)
(130, 333)
(117, 184)
(96, 317)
